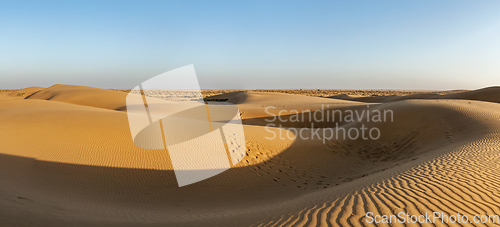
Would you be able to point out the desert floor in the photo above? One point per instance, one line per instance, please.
(67, 159)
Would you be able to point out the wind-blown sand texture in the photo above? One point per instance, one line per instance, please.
(67, 159)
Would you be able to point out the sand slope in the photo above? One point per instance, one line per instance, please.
(67, 159)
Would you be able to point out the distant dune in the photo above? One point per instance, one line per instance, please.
(67, 159)
(81, 95)
(490, 94)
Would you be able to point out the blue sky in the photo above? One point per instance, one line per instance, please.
(252, 44)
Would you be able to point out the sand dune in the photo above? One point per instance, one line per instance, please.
(67, 159)
(262, 98)
(253, 104)
(81, 95)
(489, 94)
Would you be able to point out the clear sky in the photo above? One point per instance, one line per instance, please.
(252, 44)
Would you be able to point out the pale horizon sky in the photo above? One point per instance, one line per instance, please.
(430, 45)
